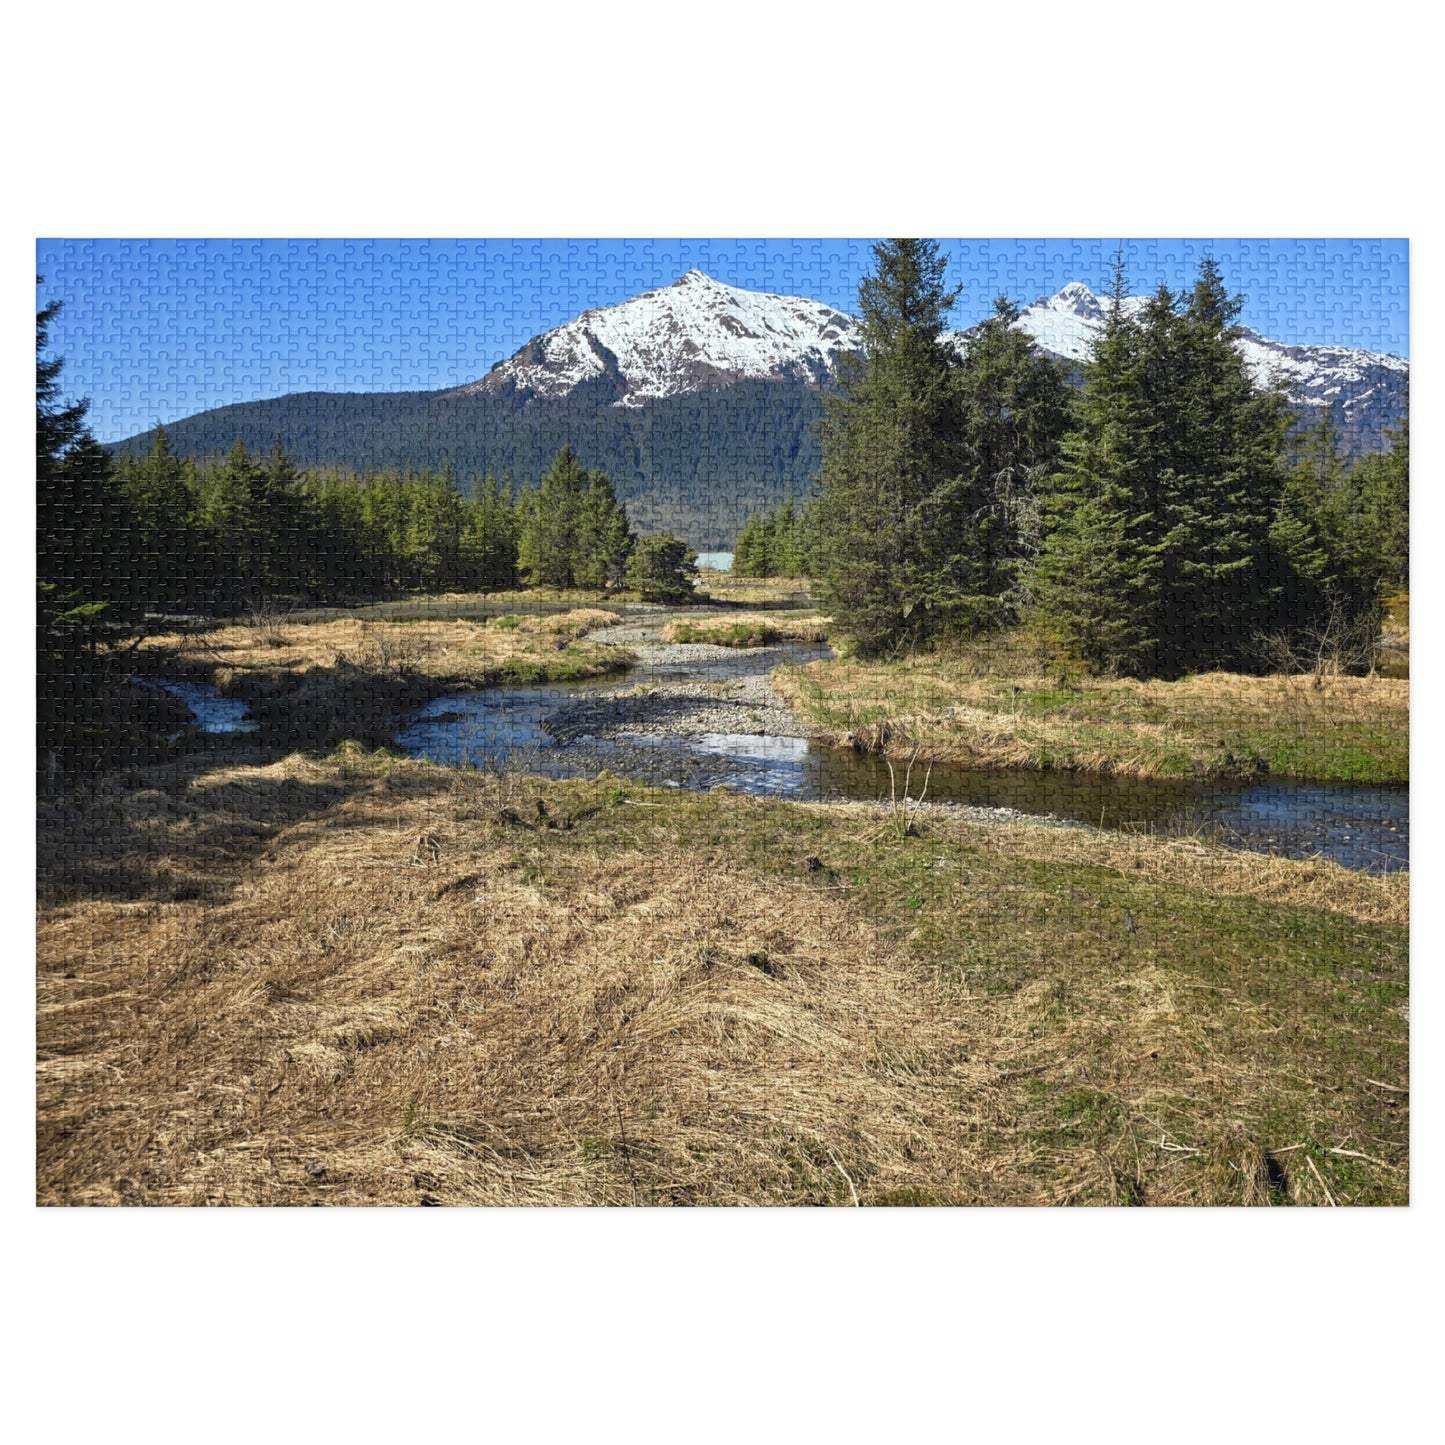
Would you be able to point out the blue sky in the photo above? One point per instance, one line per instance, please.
(156, 330)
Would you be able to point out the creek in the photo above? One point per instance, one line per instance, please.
(1360, 827)
(701, 717)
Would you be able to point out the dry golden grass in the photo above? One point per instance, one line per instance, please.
(369, 982)
(454, 649)
(391, 1007)
(576, 623)
(756, 591)
(754, 629)
(951, 708)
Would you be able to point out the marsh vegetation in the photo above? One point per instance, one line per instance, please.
(359, 980)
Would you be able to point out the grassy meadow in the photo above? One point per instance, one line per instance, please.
(1006, 706)
(756, 628)
(733, 588)
(358, 980)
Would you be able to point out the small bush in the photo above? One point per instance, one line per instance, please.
(734, 634)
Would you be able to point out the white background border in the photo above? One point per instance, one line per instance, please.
(748, 119)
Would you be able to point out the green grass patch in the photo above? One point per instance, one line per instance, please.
(954, 708)
(1217, 1031)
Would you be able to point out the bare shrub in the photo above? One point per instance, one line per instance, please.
(267, 623)
(1343, 642)
(394, 653)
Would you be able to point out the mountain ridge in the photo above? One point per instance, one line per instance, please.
(699, 400)
(701, 334)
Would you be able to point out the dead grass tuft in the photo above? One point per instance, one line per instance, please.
(757, 629)
(576, 623)
(755, 591)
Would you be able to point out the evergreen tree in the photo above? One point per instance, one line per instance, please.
(283, 526)
(1158, 557)
(550, 517)
(1223, 480)
(1014, 409)
(81, 562)
(663, 569)
(776, 543)
(786, 540)
(753, 551)
(889, 440)
(489, 540)
(232, 572)
(1306, 566)
(1097, 575)
(604, 540)
(436, 520)
(163, 541)
(338, 567)
(1380, 489)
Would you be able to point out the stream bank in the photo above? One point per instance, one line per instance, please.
(701, 717)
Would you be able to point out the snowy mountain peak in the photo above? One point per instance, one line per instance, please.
(1368, 388)
(700, 334)
(1077, 298)
(696, 334)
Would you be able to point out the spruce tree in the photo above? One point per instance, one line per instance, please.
(1306, 566)
(1380, 489)
(1224, 478)
(232, 564)
(435, 522)
(750, 552)
(786, 540)
(1097, 578)
(1014, 409)
(604, 539)
(82, 609)
(889, 440)
(1158, 557)
(548, 548)
(663, 568)
(489, 540)
(163, 539)
(284, 522)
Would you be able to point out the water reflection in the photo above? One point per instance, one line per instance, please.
(1361, 827)
(212, 712)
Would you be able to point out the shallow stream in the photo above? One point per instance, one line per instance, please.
(1361, 827)
(701, 717)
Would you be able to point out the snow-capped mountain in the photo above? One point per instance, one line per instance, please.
(694, 335)
(1343, 376)
(1064, 324)
(1368, 387)
(699, 334)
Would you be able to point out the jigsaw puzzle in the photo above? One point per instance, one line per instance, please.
(690, 722)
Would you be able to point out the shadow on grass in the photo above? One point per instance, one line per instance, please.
(184, 832)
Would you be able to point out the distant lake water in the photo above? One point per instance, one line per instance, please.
(716, 561)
